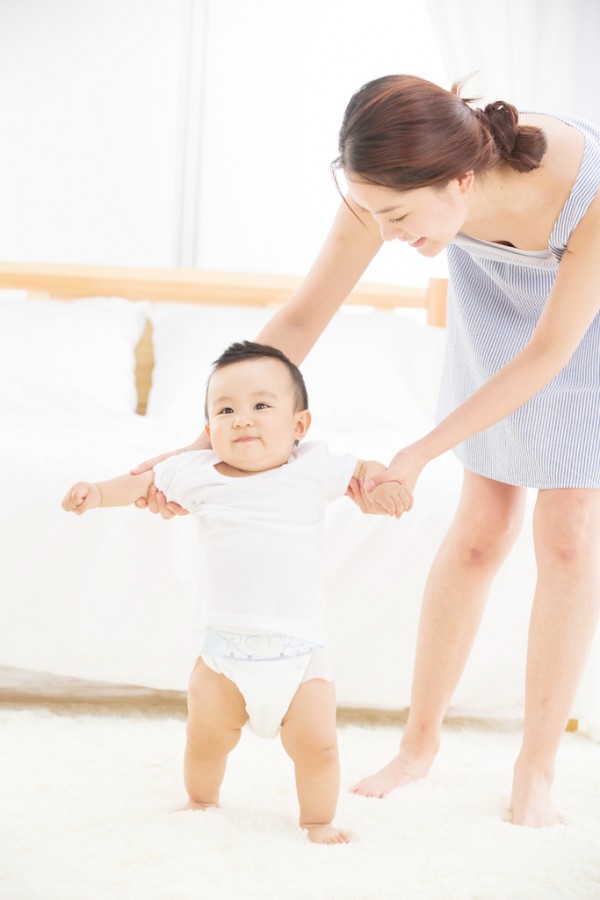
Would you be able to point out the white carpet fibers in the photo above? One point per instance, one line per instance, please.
(88, 812)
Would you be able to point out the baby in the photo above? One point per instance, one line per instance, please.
(258, 497)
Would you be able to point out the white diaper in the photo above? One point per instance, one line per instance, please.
(268, 669)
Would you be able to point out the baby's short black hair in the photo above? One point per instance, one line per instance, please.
(243, 350)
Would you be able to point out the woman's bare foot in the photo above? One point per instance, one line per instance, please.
(325, 834)
(530, 802)
(403, 769)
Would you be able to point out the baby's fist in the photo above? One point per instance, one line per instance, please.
(80, 497)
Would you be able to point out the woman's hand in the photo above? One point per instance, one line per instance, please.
(155, 500)
(389, 499)
(404, 470)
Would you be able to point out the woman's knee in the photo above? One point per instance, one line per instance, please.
(566, 528)
(486, 525)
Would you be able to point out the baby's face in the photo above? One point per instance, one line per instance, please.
(252, 420)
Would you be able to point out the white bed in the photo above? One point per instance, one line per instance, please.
(110, 596)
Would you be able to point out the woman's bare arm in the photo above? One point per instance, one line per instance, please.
(351, 244)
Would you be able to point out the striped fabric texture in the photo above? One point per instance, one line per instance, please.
(496, 295)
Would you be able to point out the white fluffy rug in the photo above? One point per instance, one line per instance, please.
(88, 812)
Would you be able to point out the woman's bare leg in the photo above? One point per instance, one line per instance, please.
(216, 714)
(487, 522)
(563, 618)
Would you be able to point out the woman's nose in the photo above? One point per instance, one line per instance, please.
(389, 232)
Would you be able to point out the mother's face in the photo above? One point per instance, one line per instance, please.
(426, 218)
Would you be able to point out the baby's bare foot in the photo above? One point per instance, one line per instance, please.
(325, 834)
(403, 769)
(194, 804)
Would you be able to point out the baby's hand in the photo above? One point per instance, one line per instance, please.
(83, 496)
(390, 498)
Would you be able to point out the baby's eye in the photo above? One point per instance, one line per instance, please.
(261, 406)
(226, 411)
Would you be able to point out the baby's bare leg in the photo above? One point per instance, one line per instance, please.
(308, 733)
(216, 713)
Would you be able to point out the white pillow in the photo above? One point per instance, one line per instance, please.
(186, 341)
(353, 374)
(355, 377)
(422, 361)
(69, 355)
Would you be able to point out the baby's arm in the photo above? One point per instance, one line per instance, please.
(392, 502)
(120, 491)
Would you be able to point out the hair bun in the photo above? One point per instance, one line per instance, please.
(503, 122)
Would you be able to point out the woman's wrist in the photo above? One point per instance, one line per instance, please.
(416, 455)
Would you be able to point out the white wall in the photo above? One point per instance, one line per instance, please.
(537, 54)
(279, 76)
(89, 101)
(198, 132)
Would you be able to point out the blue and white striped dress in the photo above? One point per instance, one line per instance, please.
(496, 296)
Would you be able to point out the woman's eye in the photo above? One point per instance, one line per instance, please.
(395, 221)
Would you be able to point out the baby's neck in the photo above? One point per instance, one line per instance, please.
(233, 472)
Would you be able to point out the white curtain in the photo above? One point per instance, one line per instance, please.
(541, 54)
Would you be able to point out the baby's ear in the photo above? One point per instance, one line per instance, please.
(207, 429)
(303, 420)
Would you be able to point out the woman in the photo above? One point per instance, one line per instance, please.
(513, 198)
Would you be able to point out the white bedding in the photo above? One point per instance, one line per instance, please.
(110, 595)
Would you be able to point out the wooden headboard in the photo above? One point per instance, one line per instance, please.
(68, 282)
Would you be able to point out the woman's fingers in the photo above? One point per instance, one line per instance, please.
(390, 500)
(150, 463)
(156, 502)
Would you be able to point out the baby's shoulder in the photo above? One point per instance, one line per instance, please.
(189, 461)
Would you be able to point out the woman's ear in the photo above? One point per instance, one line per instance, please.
(466, 181)
(302, 424)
